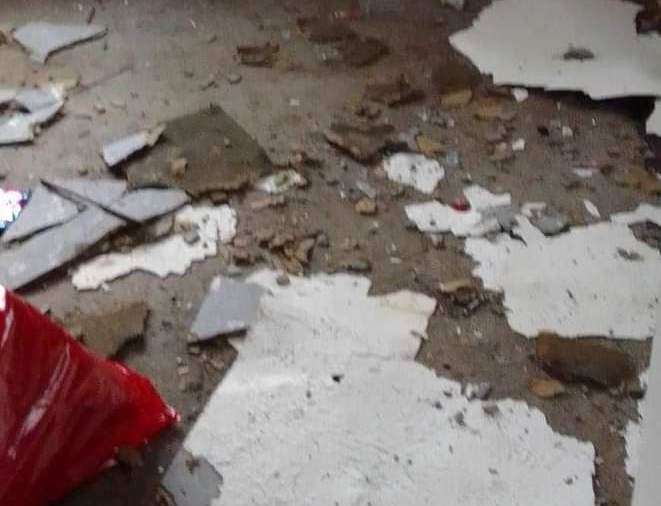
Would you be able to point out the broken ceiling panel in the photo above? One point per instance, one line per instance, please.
(229, 306)
(102, 192)
(597, 280)
(172, 255)
(482, 217)
(41, 38)
(121, 149)
(525, 41)
(44, 210)
(220, 155)
(147, 203)
(55, 247)
(320, 404)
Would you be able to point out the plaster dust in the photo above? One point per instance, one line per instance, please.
(578, 283)
(323, 408)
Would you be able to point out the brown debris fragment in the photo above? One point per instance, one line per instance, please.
(107, 332)
(363, 142)
(429, 147)
(459, 98)
(393, 92)
(546, 388)
(366, 206)
(649, 19)
(268, 201)
(362, 51)
(638, 178)
(258, 56)
(178, 167)
(489, 110)
(579, 360)
(303, 250)
(454, 75)
(323, 31)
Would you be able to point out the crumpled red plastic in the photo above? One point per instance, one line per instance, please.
(64, 412)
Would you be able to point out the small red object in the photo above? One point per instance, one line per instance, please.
(461, 204)
(64, 411)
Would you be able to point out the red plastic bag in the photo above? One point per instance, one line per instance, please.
(64, 412)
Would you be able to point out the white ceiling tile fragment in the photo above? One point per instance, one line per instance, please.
(326, 405)
(172, 255)
(577, 283)
(414, 170)
(102, 192)
(434, 217)
(41, 38)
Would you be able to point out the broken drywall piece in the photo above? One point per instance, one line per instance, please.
(575, 284)
(281, 181)
(45, 209)
(55, 247)
(172, 255)
(229, 306)
(119, 150)
(480, 219)
(414, 170)
(41, 39)
(147, 203)
(320, 404)
(102, 192)
(624, 64)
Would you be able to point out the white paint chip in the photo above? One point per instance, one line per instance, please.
(524, 42)
(281, 182)
(591, 208)
(434, 217)
(519, 145)
(326, 405)
(577, 283)
(584, 173)
(520, 94)
(41, 38)
(414, 170)
(172, 255)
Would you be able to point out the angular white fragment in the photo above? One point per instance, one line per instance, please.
(578, 283)
(520, 94)
(44, 210)
(529, 209)
(519, 145)
(280, 182)
(121, 149)
(41, 38)
(524, 41)
(653, 125)
(584, 173)
(42, 104)
(434, 217)
(414, 170)
(326, 405)
(172, 255)
(591, 208)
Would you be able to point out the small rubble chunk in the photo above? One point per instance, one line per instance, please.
(366, 206)
(41, 39)
(119, 150)
(459, 98)
(550, 222)
(394, 92)
(258, 56)
(178, 167)
(108, 331)
(546, 388)
(579, 360)
(520, 94)
(362, 141)
(144, 204)
(230, 306)
(362, 51)
(414, 170)
(429, 147)
(281, 182)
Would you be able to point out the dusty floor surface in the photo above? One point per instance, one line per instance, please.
(152, 66)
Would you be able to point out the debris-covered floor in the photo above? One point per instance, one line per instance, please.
(388, 256)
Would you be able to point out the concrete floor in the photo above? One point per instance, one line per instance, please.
(151, 66)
